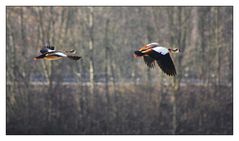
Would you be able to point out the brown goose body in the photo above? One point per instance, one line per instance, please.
(153, 53)
(49, 53)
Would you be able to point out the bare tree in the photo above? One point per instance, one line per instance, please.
(108, 91)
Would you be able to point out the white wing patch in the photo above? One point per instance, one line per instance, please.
(153, 44)
(161, 50)
(60, 54)
(49, 50)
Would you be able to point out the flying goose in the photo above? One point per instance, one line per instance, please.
(49, 53)
(154, 52)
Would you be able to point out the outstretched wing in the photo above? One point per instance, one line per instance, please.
(73, 57)
(149, 61)
(51, 47)
(165, 62)
(47, 49)
(40, 56)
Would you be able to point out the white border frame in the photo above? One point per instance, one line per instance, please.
(234, 3)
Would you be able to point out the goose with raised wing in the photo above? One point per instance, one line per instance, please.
(49, 53)
(153, 52)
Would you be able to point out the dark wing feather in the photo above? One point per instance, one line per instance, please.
(40, 56)
(44, 50)
(47, 49)
(73, 57)
(165, 62)
(149, 61)
(51, 47)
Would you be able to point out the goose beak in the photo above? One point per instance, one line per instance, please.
(138, 53)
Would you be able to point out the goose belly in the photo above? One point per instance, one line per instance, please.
(53, 57)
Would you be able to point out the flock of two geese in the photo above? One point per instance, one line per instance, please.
(151, 53)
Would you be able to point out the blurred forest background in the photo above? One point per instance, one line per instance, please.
(109, 91)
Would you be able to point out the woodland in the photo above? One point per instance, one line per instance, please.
(108, 91)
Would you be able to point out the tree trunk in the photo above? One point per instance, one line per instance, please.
(106, 62)
(178, 40)
(91, 49)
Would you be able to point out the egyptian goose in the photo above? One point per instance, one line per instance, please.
(49, 53)
(154, 52)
